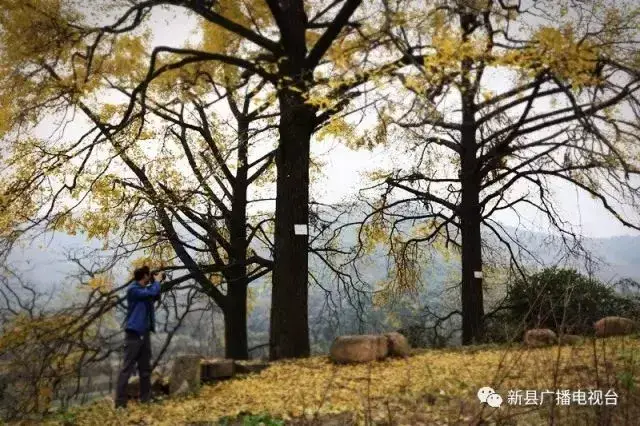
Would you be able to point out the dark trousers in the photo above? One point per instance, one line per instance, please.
(137, 351)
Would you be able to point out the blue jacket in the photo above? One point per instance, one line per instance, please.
(140, 315)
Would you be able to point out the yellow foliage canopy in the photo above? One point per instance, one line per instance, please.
(23, 330)
(43, 351)
(559, 51)
(101, 282)
(566, 47)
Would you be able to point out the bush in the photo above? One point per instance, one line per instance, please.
(41, 355)
(562, 300)
(250, 420)
(419, 336)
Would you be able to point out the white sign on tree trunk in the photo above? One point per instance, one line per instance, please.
(477, 274)
(300, 229)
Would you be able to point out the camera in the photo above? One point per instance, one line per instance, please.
(163, 275)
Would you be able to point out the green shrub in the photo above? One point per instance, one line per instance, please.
(559, 299)
(251, 420)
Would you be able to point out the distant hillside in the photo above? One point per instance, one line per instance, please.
(336, 315)
(622, 255)
(45, 263)
(613, 258)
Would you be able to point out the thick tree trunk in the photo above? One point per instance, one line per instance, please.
(470, 220)
(235, 322)
(236, 344)
(470, 212)
(289, 333)
(472, 294)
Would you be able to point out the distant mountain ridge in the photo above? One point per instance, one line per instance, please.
(620, 255)
(623, 254)
(614, 257)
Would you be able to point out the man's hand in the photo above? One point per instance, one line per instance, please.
(159, 277)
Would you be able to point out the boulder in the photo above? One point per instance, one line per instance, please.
(185, 375)
(250, 367)
(182, 390)
(216, 369)
(614, 326)
(569, 339)
(540, 337)
(398, 345)
(353, 349)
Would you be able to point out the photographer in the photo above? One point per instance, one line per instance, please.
(140, 322)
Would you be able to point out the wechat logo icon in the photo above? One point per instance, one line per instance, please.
(488, 396)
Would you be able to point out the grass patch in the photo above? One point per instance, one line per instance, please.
(250, 420)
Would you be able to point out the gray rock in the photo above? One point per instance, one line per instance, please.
(186, 371)
(216, 369)
(355, 349)
(250, 367)
(569, 339)
(398, 345)
(538, 337)
(183, 389)
(614, 326)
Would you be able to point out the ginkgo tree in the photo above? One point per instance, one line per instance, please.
(504, 101)
(171, 185)
(312, 57)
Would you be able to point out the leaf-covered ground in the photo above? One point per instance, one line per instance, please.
(431, 387)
